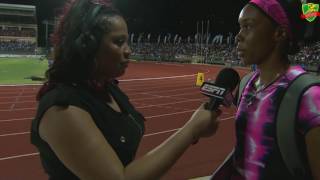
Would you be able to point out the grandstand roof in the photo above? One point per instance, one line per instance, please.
(17, 7)
(156, 16)
(17, 10)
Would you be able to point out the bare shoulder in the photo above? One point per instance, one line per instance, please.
(58, 121)
(79, 144)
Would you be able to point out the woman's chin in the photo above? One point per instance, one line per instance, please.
(246, 61)
(243, 60)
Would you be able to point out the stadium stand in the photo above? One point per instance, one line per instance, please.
(223, 53)
(18, 29)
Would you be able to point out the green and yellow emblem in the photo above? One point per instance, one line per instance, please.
(310, 11)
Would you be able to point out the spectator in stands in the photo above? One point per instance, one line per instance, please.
(216, 53)
(268, 31)
(85, 127)
(16, 46)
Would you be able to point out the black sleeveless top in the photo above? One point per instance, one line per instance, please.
(123, 131)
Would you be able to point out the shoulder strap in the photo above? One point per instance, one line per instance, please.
(243, 84)
(286, 123)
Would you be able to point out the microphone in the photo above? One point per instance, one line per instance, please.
(220, 92)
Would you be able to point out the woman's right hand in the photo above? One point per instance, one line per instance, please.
(204, 122)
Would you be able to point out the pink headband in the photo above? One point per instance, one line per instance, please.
(273, 9)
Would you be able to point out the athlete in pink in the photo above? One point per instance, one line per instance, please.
(269, 30)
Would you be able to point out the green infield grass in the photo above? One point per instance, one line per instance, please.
(22, 70)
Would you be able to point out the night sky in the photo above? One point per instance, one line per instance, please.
(159, 16)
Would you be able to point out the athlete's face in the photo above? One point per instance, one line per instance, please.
(114, 51)
(255, 38)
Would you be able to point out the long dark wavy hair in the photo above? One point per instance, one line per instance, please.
(76, 41)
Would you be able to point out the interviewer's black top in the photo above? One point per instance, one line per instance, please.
(123, 131)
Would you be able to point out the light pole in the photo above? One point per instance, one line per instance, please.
(47, 23)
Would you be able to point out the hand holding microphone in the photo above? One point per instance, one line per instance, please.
(220, 92)
(204, 119)
(204, 122)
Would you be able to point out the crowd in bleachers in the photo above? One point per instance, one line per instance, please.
(213, 53)
(309, 55)
(171, 52)
(18, 33)
(16, 46)
(210, 54)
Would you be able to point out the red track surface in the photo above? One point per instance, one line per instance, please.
(165, 93)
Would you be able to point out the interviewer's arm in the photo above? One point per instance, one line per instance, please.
(79, 144)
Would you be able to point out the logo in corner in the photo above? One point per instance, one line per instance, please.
(310, 11)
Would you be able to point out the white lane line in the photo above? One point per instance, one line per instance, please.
(148, 117)
(161, 132)
(172, 90)
(172, 130)
(146, 79)
(10, 120)
(17, 109)
(168, 77)
(161, 115)
(228, 118)
(152, 91)
(146, 135)
(165, 104)
(26, 96)
(170, 64)
(18, 156)
(9, 102)
(11, 107)
(22, 133)
(17, 99)
(13, 134)
(153, 105)
(167, 84)
(163, 96)
(168, 89)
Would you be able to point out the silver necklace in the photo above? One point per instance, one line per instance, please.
(259, 87)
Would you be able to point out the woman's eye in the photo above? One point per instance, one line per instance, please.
(246, 27)
(119, 42)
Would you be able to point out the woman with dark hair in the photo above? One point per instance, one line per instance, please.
(269, 31)
(85, 126)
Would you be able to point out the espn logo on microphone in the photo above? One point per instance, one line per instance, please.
(210, 89)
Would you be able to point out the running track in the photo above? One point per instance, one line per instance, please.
(166, 95)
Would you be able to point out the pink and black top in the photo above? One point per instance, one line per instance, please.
(256, 155)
